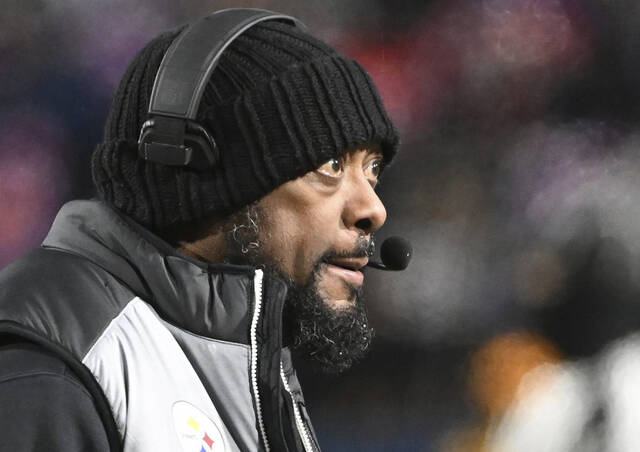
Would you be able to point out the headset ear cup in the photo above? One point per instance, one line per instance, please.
(205, 153)
(194, 149)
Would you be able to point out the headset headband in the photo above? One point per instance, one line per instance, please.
(180, 83)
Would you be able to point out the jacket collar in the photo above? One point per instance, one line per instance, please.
(212, 300)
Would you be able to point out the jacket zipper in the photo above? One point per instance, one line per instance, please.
(257, 285)
(302, 429)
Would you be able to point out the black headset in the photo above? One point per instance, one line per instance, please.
(171, 135)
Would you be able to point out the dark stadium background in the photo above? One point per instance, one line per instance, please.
(518, 183)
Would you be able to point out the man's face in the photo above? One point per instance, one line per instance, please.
(323, 222)
(315, 233)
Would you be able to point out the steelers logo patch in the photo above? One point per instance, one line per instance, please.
(196, 432)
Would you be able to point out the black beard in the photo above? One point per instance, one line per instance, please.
(333, 338)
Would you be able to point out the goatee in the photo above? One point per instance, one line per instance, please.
(334, 338)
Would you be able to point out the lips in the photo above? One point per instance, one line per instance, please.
(348, 269)
(349, 263)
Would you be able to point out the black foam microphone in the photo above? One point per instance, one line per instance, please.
(395, 253)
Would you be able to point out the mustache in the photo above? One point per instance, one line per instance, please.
(364, 247)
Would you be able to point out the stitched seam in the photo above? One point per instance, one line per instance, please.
(24, 375)
(110, 326)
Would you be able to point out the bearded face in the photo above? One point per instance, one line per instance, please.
(315, 233)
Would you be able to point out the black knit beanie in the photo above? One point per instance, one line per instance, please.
(280, 103)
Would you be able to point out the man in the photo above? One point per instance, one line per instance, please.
(162, 316)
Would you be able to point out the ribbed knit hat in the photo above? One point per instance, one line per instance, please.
(280, 103)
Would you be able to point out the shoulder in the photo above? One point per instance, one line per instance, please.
(47, 272)
(61, 296)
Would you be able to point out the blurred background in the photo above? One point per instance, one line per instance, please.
(518, 184)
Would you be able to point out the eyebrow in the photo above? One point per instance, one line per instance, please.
(370, 150)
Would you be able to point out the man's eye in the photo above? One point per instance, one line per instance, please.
(372, 170)
(332, 168)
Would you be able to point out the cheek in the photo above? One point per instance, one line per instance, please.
(296, 238)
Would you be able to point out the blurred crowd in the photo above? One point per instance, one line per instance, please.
(518, 184)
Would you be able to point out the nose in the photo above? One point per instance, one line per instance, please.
(364, 210)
